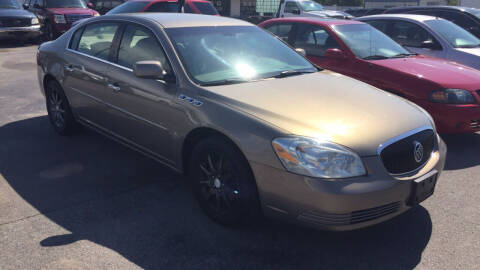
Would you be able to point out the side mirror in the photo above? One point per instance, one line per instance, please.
(430, 44)
(25, 6)
(37, 6)
(90, 5)
(301, 51)
(335, 54)
(296, 11)
(151, 70)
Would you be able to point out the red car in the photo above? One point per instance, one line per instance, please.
(190, 6)
(450, 92)
(57, 16)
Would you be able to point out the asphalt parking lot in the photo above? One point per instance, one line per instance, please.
(85, 202)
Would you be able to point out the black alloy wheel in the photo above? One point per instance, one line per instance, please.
(223, 183)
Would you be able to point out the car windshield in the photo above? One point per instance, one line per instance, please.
(310, 6)
(129, 7)
(66, 4)
(367, 42)
(475, 12)
(234, 54)
(454, 34)
(10, 4)
(205, 8)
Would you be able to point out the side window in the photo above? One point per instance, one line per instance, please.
(97, 39)
(314, 40)
(281, 30)
(163, 7)
(291, 7)
(381, 25)
(139, 44)
(409, 34)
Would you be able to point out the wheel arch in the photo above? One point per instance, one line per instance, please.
(198, 134)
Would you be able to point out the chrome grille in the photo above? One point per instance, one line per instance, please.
(76, 17)
(475, 124)
(399, 157)
(349, 218)
(15, 22)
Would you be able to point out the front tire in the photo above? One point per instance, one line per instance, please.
(223, 183)
(59, 111)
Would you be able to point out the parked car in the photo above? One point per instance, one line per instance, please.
(430, 36)
(252, 123)
(190, 6)
(57, 16)
(15, 22)
(103, 6)
(308, 8)
(447, 90)
(467, 18)
(359, 12)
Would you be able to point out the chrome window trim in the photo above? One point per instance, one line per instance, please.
(400, 137)
(115, 64)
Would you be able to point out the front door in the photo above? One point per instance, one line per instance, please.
(142, 109)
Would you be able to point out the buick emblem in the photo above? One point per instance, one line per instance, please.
(417, 151)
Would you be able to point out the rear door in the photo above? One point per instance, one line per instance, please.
(142, 109)
(87, 62)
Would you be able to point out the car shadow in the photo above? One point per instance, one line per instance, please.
(463, 151)
(103, 192)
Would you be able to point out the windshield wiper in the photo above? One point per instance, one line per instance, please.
(288, 73)
(401, 55)
(225, 82)
(375, 57)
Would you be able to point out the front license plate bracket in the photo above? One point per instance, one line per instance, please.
(422, 188)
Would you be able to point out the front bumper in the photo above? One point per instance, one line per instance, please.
(26, 31)
(344, 204)
(456, 118)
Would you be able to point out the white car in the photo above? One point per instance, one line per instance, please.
(429, 36)
(308, 8)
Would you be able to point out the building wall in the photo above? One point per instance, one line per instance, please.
(404, 3)
(469, 3)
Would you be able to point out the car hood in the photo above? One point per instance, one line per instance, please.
(474, 51)
(441, 72)
(71, 11)
(20, 13)
(326, 105)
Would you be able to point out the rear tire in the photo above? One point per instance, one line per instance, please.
(223, 183)
(59, 111)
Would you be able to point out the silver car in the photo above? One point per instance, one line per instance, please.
(430, 36)
(253, 124)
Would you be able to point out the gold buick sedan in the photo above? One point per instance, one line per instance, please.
(255, 126)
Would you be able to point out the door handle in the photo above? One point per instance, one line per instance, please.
(114, 87)
(69, 68)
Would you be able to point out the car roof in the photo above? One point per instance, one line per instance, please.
(154, 1)
(413, 17)
(431, 7)
(314, 20)
(174, 20)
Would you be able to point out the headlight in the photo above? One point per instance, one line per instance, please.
(34, 21)
(59, 18)
(314, 158)
(96, 15)
(452, 96)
